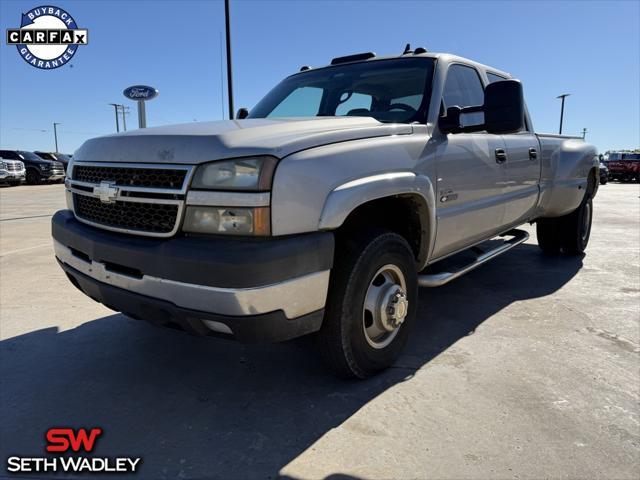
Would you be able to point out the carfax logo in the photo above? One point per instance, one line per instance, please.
(48, 37)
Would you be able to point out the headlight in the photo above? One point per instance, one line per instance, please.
(44, 166)
(251, 173)
(227, 220)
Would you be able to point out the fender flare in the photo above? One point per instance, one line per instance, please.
(345, 198)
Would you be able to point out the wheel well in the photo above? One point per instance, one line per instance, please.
(400, 214)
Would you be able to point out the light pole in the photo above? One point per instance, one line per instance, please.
(55, 134)
(563, 96)
(115, 108)
(227, 22)
(124, 120)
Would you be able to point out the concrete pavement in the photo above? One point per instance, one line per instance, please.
(528, 367)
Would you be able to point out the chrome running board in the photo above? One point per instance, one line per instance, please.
(440, 278)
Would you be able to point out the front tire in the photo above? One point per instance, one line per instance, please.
(33, 177)
(371, 306)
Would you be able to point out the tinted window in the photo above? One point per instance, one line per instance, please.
(494, 78)
(29, 156)
(631, 156)
(302, 102)
(354, 101)
(463, 88)
(411, 100)
(45, 155)
(8, 154)
(370, 89)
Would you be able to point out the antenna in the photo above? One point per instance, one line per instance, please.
(407, 49)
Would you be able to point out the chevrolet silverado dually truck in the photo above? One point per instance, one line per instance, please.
(320, 209)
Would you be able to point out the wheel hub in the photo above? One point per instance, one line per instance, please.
(397, 307)
(385, 307)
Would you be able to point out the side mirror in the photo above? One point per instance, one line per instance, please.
(242, 113)
(503, 107)
(503, 111)
(451, 122)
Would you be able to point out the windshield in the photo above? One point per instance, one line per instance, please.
(395, 91)
(29, 156)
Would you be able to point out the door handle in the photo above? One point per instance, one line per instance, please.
(533, 153)
(501, 155)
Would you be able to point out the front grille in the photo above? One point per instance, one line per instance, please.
(145, 217)
(13, 167)
(57, 168)
(133, 177)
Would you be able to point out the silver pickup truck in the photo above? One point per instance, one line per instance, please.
(320, 210)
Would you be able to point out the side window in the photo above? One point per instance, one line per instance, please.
(494, 78)
(357, 101)
(464, 89)
(8, 155)
(302, 102)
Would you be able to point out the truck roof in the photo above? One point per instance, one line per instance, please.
(372, 57)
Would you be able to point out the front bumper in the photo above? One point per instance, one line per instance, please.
(48, 176)
(11, 177)
(255, 289)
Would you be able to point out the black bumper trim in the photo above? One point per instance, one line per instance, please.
(264, 328)
(227, 262)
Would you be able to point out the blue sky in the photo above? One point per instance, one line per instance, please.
(590, 49)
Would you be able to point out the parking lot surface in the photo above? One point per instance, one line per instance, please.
(527, 367)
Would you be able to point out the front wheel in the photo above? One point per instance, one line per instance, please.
(33, 177)
(372, 304)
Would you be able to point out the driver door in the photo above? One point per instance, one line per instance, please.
(471, 175)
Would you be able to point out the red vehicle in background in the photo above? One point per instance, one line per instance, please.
(624, 167)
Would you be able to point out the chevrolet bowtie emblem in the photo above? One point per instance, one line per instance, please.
(106, 191)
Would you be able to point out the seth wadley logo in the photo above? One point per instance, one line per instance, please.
(48, 37)
(68, 440)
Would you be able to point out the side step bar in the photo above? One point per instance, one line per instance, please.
(437, 279)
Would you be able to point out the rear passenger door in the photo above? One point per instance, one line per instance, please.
(523, 171)
(470, 177)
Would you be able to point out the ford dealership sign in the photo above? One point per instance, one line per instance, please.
(140, 92)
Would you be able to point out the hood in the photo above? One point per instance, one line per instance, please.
(193, 143)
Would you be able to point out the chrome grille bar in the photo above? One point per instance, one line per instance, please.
(121, 193)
